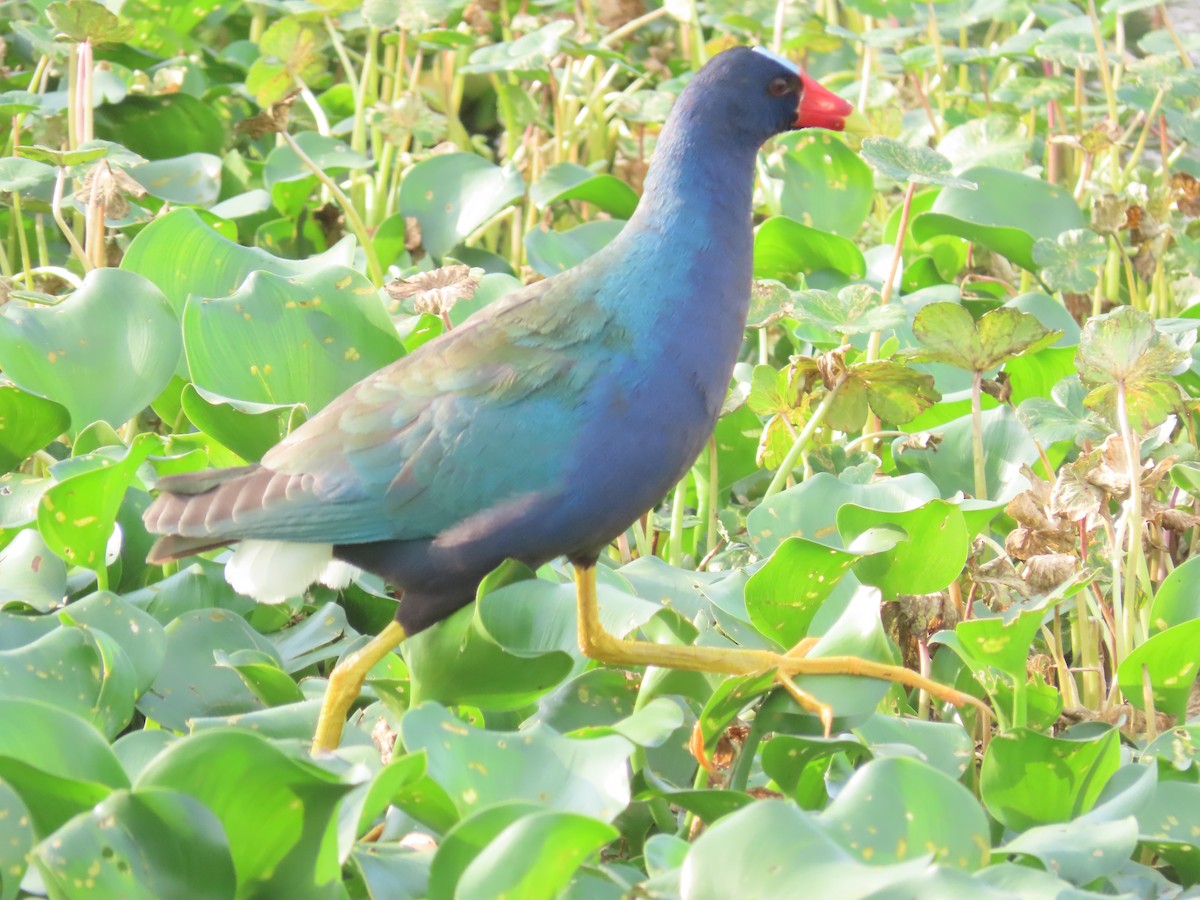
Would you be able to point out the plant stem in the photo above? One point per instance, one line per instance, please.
(352, 218)
(56, 211)
(977, 435)
(802, 439)
(675, 554)
(1133, 530)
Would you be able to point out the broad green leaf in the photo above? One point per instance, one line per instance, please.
(248, 429)
(1070, 262)
(292, 50)
(1177, 600)
(281, 340)
(478, 768)
(784, 247)
(1169, 660)
(897, 808)
(527, 53)
(896, 393)
(19, 175)
(1030, 779)
(1006, 214)
(58, 763)
(784, 595)
(330, 155)
(826, 185)
(1003, 644)
(996, 140)
(162, 126)
(948, 334)
(1061, 416)
(278, 812)
(77, 515)
(1169, 825)
(16, 840)
(920, 165)
(1080, 852)
(139, 845)
(193, 180)
(116, 323)
(551, 252)
(453, 194)
(181, 255)
(927, 560)
(946, 746)
(568, 181)
(87, 20)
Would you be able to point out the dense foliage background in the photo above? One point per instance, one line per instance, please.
(963, 433)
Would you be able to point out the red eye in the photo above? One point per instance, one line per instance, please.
(778, 87)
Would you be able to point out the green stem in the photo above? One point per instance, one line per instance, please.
(977, 436)
(802, 439)
(1134, 560)
(56, 211)
(675, 553)
(352, 217)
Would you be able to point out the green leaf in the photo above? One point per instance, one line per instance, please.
(1169, 825)
(1177, 600)
(331, 155)
(21, 175)
(27, 424)
(278, 812)
(920, 165)
(948, 334)
(1081, 852)
(894, 809)
(784, 595)
(162, 126)
(1069, 262)
(478, 768)
(1030, 779)
(826, 185)
(87, 20)
(927, 560)
(1006, 214)
(117, 322)
(568, 181)
(998, 140)
(1170, 661)
(551, 252)
(292, 50)
(528, 53)
(1062, 416)
(281, 340)
(855, 310)
(139, 845)
(783, 248)
(31, 573)
(453, 194)
(897, 393)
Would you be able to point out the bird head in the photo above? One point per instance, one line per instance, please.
(763, 94)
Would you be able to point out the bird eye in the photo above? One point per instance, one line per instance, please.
(778, 87)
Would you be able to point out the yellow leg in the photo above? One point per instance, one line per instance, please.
(345, 684)
(598, 644)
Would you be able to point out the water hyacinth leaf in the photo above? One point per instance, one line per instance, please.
(998, 140)
(329, 154)
(1061, 416)
(1169, 825)
(76, 516)
(181, 255)
(1007, 447)
(783, 247)
(127, 847)
(465, 841)
(798, 763)
(535, 856)
(16, 840)
(190, 684)
(82, 671)
(116, 321)
(528, 53)
(1125, 351)
(248, 429)
(478, 768)
(948, 334)
(784, 595)
(1030, 779)
(946, 746)
(452, 194)
(903, 163)
(194, 180)
(162, 126)
(1006, 214)
(551, 252)
(280, 340)
(999, 642)
(19, 175)
(56, 762)
(261, 798)
(826, 182)
(809, 509)
(1079, 852)
(898, 808)
(855, 310)
(1177, 600)
(1069, 262)
(568, 181)
(31, 573)
(1169, 661)
(930, 558)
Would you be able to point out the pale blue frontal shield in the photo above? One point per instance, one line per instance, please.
(783, 61)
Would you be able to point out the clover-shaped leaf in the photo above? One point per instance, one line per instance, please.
(86, 20)
(948, 334)
(1069, 263)
(917, 164)
(527, 53)
(896, 393)
(855, 310)
(1062, 416)
(1123, 351)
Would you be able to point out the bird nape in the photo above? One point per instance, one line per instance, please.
(541, 427)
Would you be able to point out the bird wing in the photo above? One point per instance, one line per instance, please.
(486, 413)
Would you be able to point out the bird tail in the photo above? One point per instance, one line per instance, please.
(196, 511)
